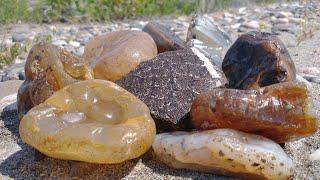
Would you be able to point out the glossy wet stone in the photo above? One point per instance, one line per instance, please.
(48, 69)
(115, 54)
(225, 152)
(257, 59)
(94, 121)
(165, 39)
(281, 112)
(170, 82)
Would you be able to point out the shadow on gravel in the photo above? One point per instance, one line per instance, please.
(9, 115)
(29, 163)
(23, 165)
(150, 160)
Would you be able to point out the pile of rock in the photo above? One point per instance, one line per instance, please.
(222, 112)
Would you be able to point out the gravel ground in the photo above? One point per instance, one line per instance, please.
(19, 161)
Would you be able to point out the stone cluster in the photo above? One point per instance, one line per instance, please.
(162, 83)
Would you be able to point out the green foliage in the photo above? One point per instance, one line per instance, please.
(13, 10)
(101, 10)
(9, 54)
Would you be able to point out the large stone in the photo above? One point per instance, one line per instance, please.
(165, 39)
(48, 69)
(258, 59)
(208, 38)
(281, 112)
(170, 82)
(114, 55)
(226, 152)
(93, 121)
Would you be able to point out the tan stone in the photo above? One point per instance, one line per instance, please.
(114, 55)
(94, 121)
(48, 69)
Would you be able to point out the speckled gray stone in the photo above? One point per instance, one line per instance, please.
(169, 83)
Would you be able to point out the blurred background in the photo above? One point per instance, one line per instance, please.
(47, 11)
(70, 24)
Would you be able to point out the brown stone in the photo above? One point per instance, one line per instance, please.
(257, 59)
(114, 55)
(165, 39)
(279, 112)
(48, 69)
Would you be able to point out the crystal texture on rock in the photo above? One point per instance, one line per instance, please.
(225, 152)
(258, 59)
(48, 69)
(115, 54)
(165, 39)
(281, 112)
(94, 121)
(208, 38)
(170, 82)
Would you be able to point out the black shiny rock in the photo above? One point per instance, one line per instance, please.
(165, 39)
(257, 59)
(169, 83)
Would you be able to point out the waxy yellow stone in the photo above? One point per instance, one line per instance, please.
(94, 121)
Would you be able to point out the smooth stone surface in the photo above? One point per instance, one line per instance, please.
(8, 95)
(257, 59)
(48, 69)
(115, 54)
(225, 152)
(281, 112)
(94, 121)
(9, 87)
(315, 156)
(209, 38)
(170, 82)
(165, 39)
(20, 36)
(252, 25)
(204, 29)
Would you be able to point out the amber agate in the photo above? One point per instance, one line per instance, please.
(48, 69)
(279, 112)
(114, 55)
(94, 121)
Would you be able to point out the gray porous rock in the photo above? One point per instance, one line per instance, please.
(169, 83)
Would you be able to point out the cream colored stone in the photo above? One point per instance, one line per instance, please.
(224, 151)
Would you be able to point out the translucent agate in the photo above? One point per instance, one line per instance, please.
(281, 112)
(48, 69)
(94, 121)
